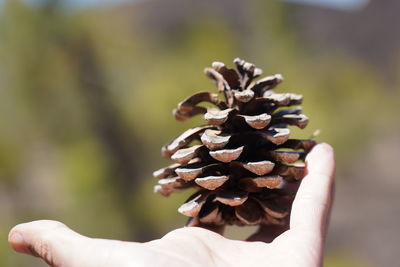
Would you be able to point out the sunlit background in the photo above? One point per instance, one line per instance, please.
(87, 89)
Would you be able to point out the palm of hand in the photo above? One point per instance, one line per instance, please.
(199, 247)
(300, 245)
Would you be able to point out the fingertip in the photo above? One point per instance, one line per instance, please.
(17, 241)
(321, 159)
(23, 237)
(52, 241)
(321, 149)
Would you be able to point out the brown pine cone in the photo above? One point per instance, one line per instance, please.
(241, 160)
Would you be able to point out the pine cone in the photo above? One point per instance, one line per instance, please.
(243, 158)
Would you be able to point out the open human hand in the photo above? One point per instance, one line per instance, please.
(300, 245)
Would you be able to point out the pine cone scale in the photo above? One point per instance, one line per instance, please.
(246, 157)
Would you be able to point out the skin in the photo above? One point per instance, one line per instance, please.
(300, 245)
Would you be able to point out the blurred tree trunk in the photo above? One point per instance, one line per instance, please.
(121, 146)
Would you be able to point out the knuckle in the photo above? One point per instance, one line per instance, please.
(43, 249)
(44, 246)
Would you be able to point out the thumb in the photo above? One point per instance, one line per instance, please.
(52, 241)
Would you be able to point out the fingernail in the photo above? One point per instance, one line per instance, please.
(17, 238)
(18, 243)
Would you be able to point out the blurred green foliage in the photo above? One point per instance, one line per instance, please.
(86, 99)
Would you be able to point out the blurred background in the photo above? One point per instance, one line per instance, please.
(87, 89)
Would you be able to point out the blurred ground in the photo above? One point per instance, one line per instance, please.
(86, 98)
(365, 216)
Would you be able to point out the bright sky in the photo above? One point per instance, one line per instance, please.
(339, 4)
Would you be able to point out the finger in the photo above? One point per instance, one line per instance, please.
(60, 246)
(50, 240)
(313, 200)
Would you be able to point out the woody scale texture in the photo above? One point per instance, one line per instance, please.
(242, 160)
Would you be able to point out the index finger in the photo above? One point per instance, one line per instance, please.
(313, 201)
